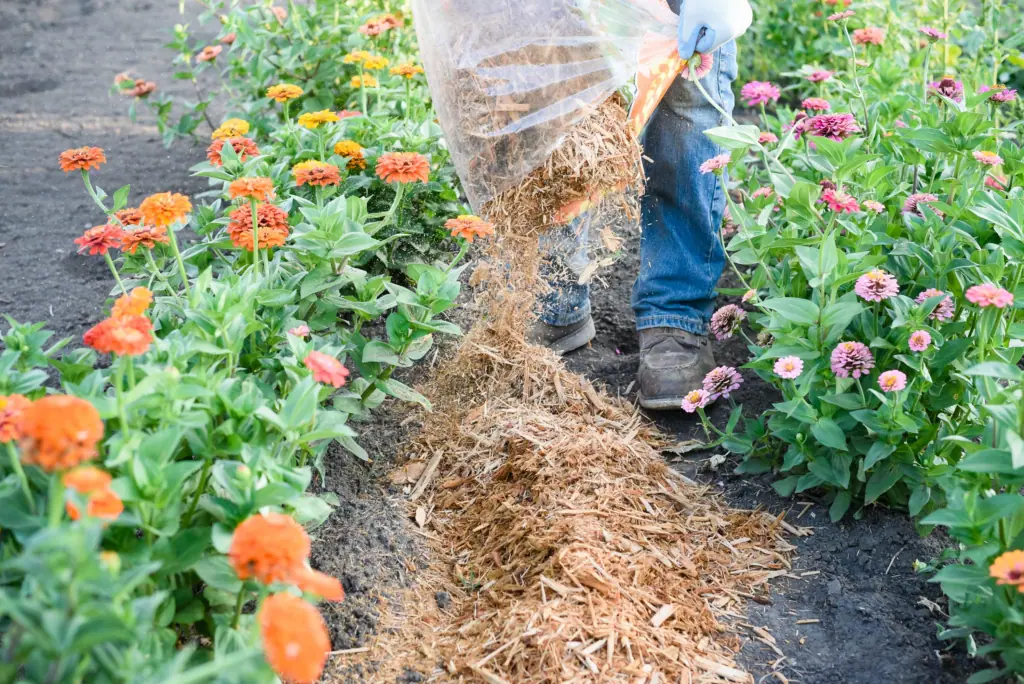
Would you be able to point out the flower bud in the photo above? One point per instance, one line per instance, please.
(243, 473)
(111, 561)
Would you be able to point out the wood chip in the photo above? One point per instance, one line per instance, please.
(664, 613)
(725, 671)
(421, 516)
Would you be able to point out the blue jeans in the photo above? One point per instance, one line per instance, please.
(681, 254)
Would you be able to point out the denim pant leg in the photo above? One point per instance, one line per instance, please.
(681, 254)
(564, 256)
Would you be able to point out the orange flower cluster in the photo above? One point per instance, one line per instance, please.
(134, 304)
(365, 81)
(129, 217)
(295, 639)
(273, 226)
(403, 167)
(376, 62)
(354, 152)
(407, 70)
(272, 547)
(59, 432)
(469, 227)
(284, 92)
(326, 369)
(313, 120)
(244, 148)
(93, 483)
(164, 209)
(144, 236)
(314, 172)
(124, 336)
(100, 240)
(209, 53)
(82, 159)
(232, 128)
(261, 189)
(11, 408)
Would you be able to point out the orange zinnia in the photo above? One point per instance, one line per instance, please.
(1008, 569)
(273, 226)
(99, 240)
(145, 236)
(403, 167)
(232, 128)
(376, 62)
(86, 479)
(209, 53)
(103, 504)
(408, 70)
(125, 336)
(244, 148)
(326, 369)
(316, 173)
(324, 586)
(295, 639)
(284, 92)
(261, 189)
(165, 208)
(354, 152)
(11, 408)
(469, 227)
(364, 81)
(59, 432)
(269, 547)
(134, 304)
(82, 159)
(129, 217)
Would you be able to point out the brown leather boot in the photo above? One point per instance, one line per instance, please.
(562, 338)
(672, 363)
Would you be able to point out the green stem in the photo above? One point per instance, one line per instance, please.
(458, 257)
(362, 88)
(856, 79)
(55, 504)
(181, 263)
(160, 274)
(113, 269)
(239, 602)
(255, 236)
(118, 377)
(22, 478)
(204, 478)
(214, 668)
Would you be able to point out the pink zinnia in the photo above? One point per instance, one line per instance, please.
(944, 311)
(749, 295)
(701, 65)
(934, 33)
(872, 205)
(819, 76)
(727, 321)
(840, 202)
(832, 126)
(789, 367)
(948, 87)
(839, 16)
(697, 399)
(816, 104)
(300, 331)
(997, 182)
(919, 340)
(1003, 94)
(987, 294)
(892, 381)
(721, 381)
(987, 158)
(716, 163)
(759, 92)
(872, 35)
(767, 137)
(876, 286)
(852, 358)
(326, 369)
(763, 191)
(912, 205)
(348, 114)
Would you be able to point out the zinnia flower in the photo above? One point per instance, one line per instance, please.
(164, 209)
(103, 504)
(948, 87)
(232, 128)
(697, 399)
(763, 191)
(284, 92)
(86, 479)
(987, 158)
(82, 159)
(996, 182)
(312, 120)
(315, 172)
(816, 104)
(1002, 94)
(767, 137)
(789, 367)
(872, 35)
(295, 639)
(326, 369)
(403, 167)
(364, 81)
(280, 13)
(99, 240)
(698, 66)
(59, 432)
(140, 88)
(406, 70)
(726, 321)
(944, 311)
(819, 76)
(852, 358)
(273, 226)
(840, 16)
(144, 236)
(209, 53)
(229, 38)
(355, 57)
(469, 227)
(721, 382)
(913, 203)
(348, 113)
(261, 189)
(872, 205)
(832, 126)
(892, 381)
(11, 408)
(124, 336)
(133, 304)
(987, 294)
(934, 33)
(1008, 570)
(716, 163)
(300, 331)
(759, 92)
(749, 295)
(376, 62)
(919, 340)
(243, 147)
(354, 152)
(876, 286)
(840, 202)
(129, 217)
(268, 547)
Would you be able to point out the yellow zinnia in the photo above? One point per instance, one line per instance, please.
(314, 119)
(407, 70)
(284, 92)
(366, 81)
(375, 62)
(232, 128)
(356, 57)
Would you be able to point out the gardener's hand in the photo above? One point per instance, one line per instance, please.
(706, 25)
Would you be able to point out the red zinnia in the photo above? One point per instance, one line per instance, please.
(124, 336)
(326, 369)
(100, 239)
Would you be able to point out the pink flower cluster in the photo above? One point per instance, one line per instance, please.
(1003, 94)
(726, 321)
(819, 76)
(816, 104)
(987, 294)
(840, 202)
(831, 126)
(919, 340)
(912, 205)
(716, 163)
(934, 33)
(852, 359)
(948, 86)
(840, 16)
(872, 205)
(767, 137)
(721, 382)
(944, 311)
(759, 92)
(987, 158)
(876, 286)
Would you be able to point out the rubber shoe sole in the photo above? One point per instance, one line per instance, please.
(661, 404)
(575, 339)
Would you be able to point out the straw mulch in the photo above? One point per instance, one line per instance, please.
(570, 551)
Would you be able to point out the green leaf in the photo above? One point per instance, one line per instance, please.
(218, 573)
(378, 352)
(402, 391)
(300, 407)
(878, 452)
(995, 369)
(989, 461)
(839, 506)
(881, 481)
(839, 314)
(734, 137)
(121, 198)
(960, 581)
(1016, 445)
(786, 486)
(828, 433)
(794, 309)
(986, 676)
(919, 499)
(848, 401)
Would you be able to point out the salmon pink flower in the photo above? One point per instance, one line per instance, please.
(403, 167)
(819, 76)
(749, 295)
(348, 114)
(852, 358)
(944, 311)
(143, 236)
(841, 16)
(876, 286)
(987, 158)
(726, 321)
(100, 240)
(913, 204)
(11, 408)
(698, 66)
(280, 13)
(759, 93)
(919, 340)
(82, 159)
(987, 294)
(300, 331)
(244, 149)
(295, 639)
(872, 205)
(767, 137)
(123, 336)
(949, 87)
(716, 163)
(128, 217)
(696, 399)
(789, 367)
(209, 53)
(832, 126)
(721, 382)
(816, 104)
(763, 191)
(229, 38)
(871, 35)
(59, 432)
(996, 182)
(469, 227)
(840, 202)
(326, 369)
(892, 381)
(1008, 570)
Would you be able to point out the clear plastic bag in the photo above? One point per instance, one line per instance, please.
(510, 77)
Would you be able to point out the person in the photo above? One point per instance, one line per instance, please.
(681, 253)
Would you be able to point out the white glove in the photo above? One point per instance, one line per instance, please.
(706, 25)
